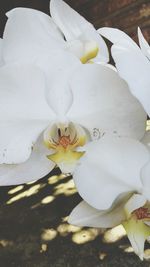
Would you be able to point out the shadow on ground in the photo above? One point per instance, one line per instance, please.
(34, 230)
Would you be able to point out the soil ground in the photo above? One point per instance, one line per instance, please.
(34, 231)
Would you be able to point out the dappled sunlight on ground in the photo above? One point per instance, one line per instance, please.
(56, 178)
(15, 190)
(47, 200)
(48, 234)
(115, 234)
(147, 254)
(27, 193)
(128, 249)
(102, 256)
(4, 243)
(65, 229)
(84, 236)
(67, 189)
(33, 225)
(43, 248)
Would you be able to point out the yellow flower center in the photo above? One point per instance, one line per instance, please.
(91, 50)
(64, 140)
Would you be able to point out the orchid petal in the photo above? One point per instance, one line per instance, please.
(17, 138)
(68, 20)
(75, 27)
(132, 66)
(24, 112)
(36, 167)
(118, 36)
(146, 139)
(57, 63)
(44, 48)
(85, 215)
(102, 103)
(60, 97)
(57, 68)
(29, 34)
(110, 167)
(1, 51)
(139, 79)
(145, 177)
(143, 44)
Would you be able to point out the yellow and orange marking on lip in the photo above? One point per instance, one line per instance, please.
(142, 213)
(64, 140)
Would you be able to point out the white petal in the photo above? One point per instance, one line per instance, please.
(68, 20)
(146, 139)
(102, 103)
(85, 215)
(117, 36)
(143, 44)
(139, 79)
(29, 34)
(22, 93)
(17, 138)
(1, 55)
(57, 66)
(60, 98)
(36, 167)
(74, 27)
(45, 47)
(110, 167)
(145, 177)
(132, 66)
(24, 112)
(109, 66)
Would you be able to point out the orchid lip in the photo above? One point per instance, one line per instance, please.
(64, 136)
(64, 139)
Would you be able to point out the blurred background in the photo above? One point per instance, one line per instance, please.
(33, 217)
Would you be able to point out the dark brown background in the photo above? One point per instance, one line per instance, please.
(124, 14)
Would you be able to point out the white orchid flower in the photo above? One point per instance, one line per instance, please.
(42, 126)
(132, 62)
(113, 179)
(33, 36)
